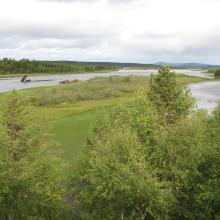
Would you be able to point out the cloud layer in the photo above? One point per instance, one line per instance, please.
(111, 30)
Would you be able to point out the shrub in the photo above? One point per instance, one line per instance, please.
(217, 73)
(171, 99)
(31, 180)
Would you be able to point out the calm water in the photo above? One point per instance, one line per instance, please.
(207, 94)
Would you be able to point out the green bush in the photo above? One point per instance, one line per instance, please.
(217, 73)
(171, 99)
(137, 167)
(32, 185)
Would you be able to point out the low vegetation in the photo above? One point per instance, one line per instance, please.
(32, 184)
(94, 89)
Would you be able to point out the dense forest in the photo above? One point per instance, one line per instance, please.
(153, 159)
(25, 66)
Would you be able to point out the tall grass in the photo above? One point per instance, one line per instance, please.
(94, 89)
(98, 88)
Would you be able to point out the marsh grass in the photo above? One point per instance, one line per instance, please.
(94, 89)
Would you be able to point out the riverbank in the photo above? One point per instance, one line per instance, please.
(3, 76)
(9, 84)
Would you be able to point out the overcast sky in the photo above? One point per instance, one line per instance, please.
(143, 31)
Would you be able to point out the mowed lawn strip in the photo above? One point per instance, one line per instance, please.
(71, 129)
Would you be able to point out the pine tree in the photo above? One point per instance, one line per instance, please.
(30, 173)
(172, 100)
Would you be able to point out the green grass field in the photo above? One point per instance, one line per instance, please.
(71, 130)
(72, 109)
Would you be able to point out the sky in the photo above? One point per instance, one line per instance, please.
(144, 31)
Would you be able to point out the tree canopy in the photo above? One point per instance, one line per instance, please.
(138, 167)
(172, 100)
(31, 180)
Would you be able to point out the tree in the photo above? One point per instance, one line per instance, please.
(114, 180)
(171, 99)
(209, 167)
(145, 119)
(30, 173)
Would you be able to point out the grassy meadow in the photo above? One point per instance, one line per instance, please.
(72, 109)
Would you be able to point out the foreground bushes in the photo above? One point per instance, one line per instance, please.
(140, 165)
(137, 169)
(32, 185)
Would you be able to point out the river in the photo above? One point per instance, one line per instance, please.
(207, 94)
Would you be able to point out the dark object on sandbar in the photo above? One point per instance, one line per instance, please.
(68, 81)
(24, 79)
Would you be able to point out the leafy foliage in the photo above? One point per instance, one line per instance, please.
(171, 99)
(31, 184)
(217, 73)
(115, 180)
(138, 167)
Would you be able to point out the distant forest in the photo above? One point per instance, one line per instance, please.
(114, 64)
(25, 66)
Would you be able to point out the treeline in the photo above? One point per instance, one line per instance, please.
(113, 64)
(25, 66)
(154, 159)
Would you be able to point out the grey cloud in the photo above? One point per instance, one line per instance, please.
(205, 46)
(88, 1)
(62, 1)
(35, 37)
(147, 47)
(103, 38)
(154, 35)
(55, 31)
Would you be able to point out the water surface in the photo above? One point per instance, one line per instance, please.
(207, 94)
